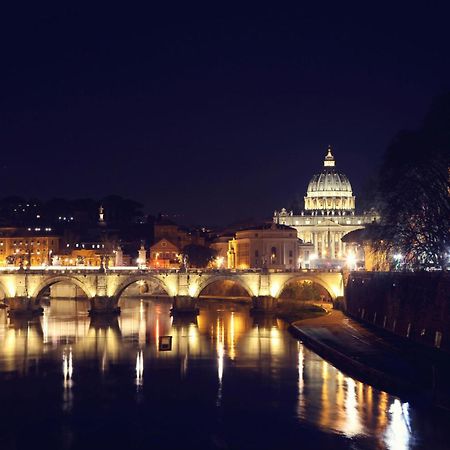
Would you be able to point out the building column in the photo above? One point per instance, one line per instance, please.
(333, 244)
(316, 243)
(328, 242)
(324, 248)
(341, 252)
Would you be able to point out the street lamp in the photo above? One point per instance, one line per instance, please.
(312, 258)
(351, 261)
(398, 258)
(219, 262)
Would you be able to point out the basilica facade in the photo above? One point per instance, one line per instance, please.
(329, 214)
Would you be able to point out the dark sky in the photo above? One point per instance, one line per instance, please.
(217, 112)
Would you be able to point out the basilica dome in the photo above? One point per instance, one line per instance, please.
(329, 190)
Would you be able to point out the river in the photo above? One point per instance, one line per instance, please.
(225, 381)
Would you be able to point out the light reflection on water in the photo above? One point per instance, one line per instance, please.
(295, 384)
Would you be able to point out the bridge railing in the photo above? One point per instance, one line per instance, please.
(147, 270)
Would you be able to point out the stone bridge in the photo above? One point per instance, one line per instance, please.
(23, 289)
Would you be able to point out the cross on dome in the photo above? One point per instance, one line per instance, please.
(329, 159)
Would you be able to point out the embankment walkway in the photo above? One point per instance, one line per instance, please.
(379, 358)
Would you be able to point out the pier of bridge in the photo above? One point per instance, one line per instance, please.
(24, 289)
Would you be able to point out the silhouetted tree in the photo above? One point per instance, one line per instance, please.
(198, 255)
(368, 198)
(414, 191)
(120, 211)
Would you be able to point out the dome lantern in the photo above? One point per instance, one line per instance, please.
(329, 159)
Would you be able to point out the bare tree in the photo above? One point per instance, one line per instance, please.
(414, 192)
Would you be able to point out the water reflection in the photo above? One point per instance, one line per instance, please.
(21, 343)
(139, 368)
(220, 347)
(224, 347)
(398, 433)
(67, 383)
(338, 402)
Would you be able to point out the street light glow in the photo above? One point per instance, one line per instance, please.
(351, 260)
(219, 262)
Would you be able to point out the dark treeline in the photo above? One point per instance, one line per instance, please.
(118, 211)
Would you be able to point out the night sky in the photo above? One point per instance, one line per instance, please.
(216, 112)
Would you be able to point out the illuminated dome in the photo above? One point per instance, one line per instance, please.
(329, 190)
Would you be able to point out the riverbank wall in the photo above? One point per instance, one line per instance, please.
(415, 306)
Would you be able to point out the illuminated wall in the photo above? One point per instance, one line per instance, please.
(37, 249)
(272, 246)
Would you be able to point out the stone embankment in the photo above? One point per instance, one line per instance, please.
(412, 305)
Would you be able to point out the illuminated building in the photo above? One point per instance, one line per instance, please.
(220, 246)
(179, 236)
(79, 257)
(363, 244)
(88, 246)
(28, 246)
(164, 254)
(328, 215)
(266, 246)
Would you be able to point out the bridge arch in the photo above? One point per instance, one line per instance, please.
(50, 281)
(217, 278)
(135, 279)
(305, 277)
